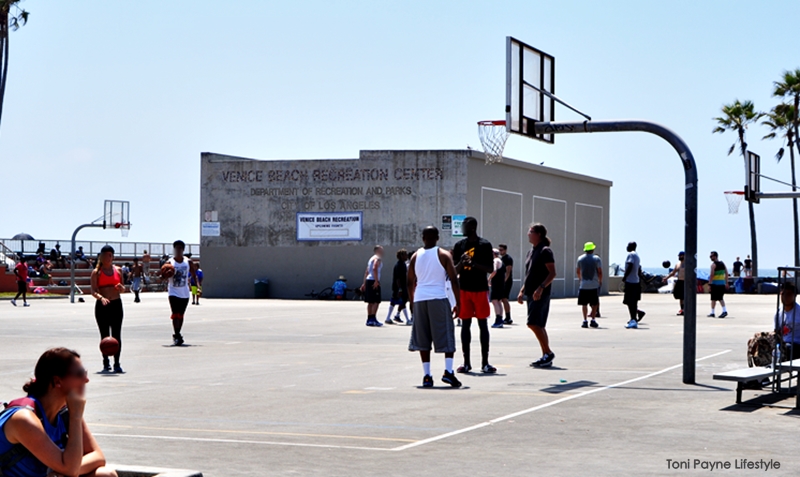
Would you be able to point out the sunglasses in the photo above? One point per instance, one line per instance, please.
(78, 373)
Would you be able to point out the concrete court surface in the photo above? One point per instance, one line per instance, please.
(272, 387)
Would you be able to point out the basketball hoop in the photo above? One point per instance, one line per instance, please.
(734, 198)
(124, 227)
(493, 135)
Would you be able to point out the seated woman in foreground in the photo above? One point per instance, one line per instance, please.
(44, 435)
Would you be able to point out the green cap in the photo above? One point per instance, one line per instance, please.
(588, 247)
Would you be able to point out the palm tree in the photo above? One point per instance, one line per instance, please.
(736, 117)
(781, 121)
(11, 18)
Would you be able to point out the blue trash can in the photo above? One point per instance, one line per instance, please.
(738, 285)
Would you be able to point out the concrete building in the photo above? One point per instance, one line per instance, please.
(302, 223)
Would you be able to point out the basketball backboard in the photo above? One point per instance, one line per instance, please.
(752, 186)
(116, 215)
(530, 75)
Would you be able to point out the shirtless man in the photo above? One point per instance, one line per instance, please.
(679, 271)
(137, 274)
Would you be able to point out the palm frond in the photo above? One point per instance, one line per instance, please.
(779, 155)
(733, 147)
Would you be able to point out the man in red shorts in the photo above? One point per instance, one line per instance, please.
(475, 259)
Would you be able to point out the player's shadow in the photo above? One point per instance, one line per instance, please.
(483, 375)
(443, 388)
(561, 388)
(184, 345)
(108, 374)
(550, 368)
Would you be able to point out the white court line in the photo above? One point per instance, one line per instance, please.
(238, 441)
(545, 405)
(420, 442)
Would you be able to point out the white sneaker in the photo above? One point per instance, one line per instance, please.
(14, 302)
(632, 324)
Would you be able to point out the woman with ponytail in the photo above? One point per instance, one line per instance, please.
(540, 271)
(44, 434)
(106, 287)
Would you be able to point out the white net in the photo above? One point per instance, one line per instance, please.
(493, 135)
(734, 199)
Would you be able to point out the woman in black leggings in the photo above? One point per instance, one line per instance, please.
(106, 287)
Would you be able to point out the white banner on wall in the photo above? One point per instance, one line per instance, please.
(210, 229)
(329, 226)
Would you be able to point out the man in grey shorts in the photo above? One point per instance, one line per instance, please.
(433, 318)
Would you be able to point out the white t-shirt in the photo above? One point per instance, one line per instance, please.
(178, 285)
(788, 323)
(633, 259)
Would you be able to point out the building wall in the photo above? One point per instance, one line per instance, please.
(255, 203)
(399, 192)
(507, 197)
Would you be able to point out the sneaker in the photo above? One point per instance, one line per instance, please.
(377, 323)
(14, 302)
(409, 322)
(633, 324)
(458, 322)
(545, 361)
(398, 320)
(680, 313)
(106, 366)
(640, 314)
(724, 314)
(177, 339)
(498, 324)
(427, 381)
(597, 315)
(593, 324)
(464, 369)
(389, 321)
(451, 379)
(711, 315)
(370, 322)
(508, 321)
(488, 369)
(26, 304)
(118, 369)
(585, 324)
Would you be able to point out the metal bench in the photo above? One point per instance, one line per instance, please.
(743, 377)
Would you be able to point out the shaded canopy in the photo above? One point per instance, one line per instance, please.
(23, 237)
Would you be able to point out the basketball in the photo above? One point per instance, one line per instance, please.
(109, 346)
(167, 270)
(665, 264)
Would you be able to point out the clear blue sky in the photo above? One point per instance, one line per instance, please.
(118, 100)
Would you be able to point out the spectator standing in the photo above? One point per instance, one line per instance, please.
(633, 286)
(399, 289)
(196, 284)
(540, 271)
(718, 280)
(748, 267)
(497, 283)
(21, 272)
(590, 274)
(146, 266)
(371, 287)
(508, 262)
(737, 268)
(137, 275)
(680, 272)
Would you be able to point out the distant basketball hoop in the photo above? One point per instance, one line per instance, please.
(493, 135)
(734, 198)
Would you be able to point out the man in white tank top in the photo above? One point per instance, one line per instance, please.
(433, 317)
(178, 289)
(372, 286)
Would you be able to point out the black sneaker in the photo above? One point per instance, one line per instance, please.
(508, 321)
(585, 324)
(545, 361)
(397, 319)
(639, 315)
(106, 365)
(118, 369)
(177, 339)
(498, 323)
(451, 379)
(597, 315)
(427, 381)
(724, 314)
(593, 324)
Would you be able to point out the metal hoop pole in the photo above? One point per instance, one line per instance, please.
(72, 260)
(690, 213)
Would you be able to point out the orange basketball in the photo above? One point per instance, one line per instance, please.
(109, 346)
(167, 270)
